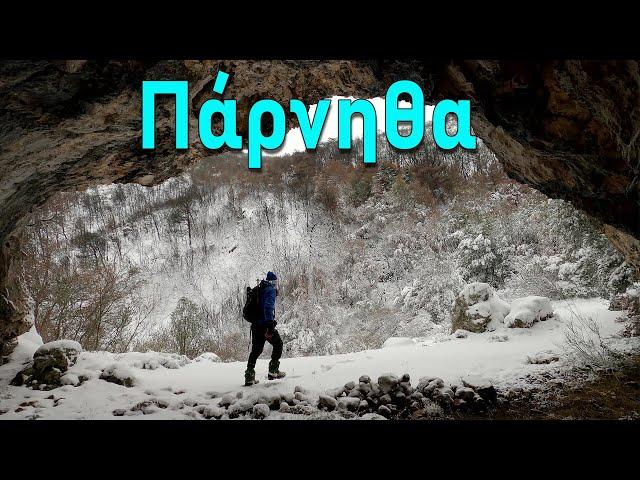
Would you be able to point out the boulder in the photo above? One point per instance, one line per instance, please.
(285, 408)
(372, 416)
(227, 400)
(465, 393)
(288, 397)
(70, 349)
(348, 403)
(479, 402)
(432, 386)
(387, 383)
(272, 399)
(375, 389)
(482, 386)
(364, 379)
(365, 389)
(498, 337)
(241, 407)
(50, 362)
(349, 386)
(475, 382)
(416, 396)
(384, 411)
(335, 392)
(460, 333)
(118, 374)
(477, 309)
(443, 397)
(423, 382)
(543, 358)
(327, 402)
(528, 310)
(70, 379)
(213, 412)
(399, 398)
(407, 388)
(208, 357)
(355, 393)
(261, 410)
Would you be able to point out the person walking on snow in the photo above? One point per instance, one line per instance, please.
(264, 329)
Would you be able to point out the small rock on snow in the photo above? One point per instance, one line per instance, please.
(261, 410)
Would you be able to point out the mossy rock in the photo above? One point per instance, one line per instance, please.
(462, 320)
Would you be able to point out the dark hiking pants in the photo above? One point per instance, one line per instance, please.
(257, 344)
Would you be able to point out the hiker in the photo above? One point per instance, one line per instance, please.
(264, 329)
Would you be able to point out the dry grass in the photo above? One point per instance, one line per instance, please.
(611, 395)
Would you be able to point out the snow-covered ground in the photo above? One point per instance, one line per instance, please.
(177, 385)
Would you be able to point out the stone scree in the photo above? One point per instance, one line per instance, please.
(391, 397)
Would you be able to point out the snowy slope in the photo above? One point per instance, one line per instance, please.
(189, 383)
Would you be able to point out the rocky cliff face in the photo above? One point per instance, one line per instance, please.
(568, 128)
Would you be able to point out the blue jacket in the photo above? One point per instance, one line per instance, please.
(267, 304)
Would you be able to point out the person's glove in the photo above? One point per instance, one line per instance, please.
(270, 330)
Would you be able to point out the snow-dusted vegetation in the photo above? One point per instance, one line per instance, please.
(363, 254)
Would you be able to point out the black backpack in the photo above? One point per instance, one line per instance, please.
(251, 309)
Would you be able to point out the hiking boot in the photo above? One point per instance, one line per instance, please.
(250, 377)
(274, 373)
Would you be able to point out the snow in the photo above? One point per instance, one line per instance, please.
(70, 379)
(476, 291)
(494, 307)
(460, 333)
(184, 389)
(398, 342)
(528, 310)
(27, 345)
(476, 381)
(60, 344)
(208, 357)
(484, 302)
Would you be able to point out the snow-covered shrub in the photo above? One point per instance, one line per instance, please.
(481, 260)
(586, 343)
